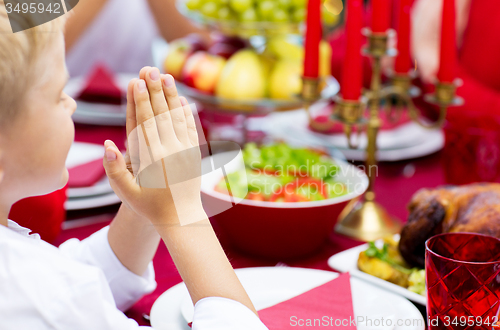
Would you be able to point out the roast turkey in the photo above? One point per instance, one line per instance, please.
(472, 208)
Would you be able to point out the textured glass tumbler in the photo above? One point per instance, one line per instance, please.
(463, 281)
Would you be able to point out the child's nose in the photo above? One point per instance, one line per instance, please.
(71, 105)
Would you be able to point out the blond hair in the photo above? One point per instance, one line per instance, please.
(19, 54)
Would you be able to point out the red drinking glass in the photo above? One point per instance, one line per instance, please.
(463, 281)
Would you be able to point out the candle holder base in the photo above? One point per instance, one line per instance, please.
(366, 220)
(403, 83)
(350, 114)
(310, 89)
(378, 43)
(445, 94)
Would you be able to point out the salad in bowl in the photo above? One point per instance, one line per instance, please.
(280, 173)
(280, 202)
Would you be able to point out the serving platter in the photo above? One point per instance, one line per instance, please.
(347, 261)
(253, 107)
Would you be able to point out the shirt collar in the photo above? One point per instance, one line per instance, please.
(21, 230)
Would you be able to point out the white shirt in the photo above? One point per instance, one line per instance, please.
(82, 285)
(120, 36)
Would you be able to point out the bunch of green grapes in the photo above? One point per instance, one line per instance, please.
(279, 11)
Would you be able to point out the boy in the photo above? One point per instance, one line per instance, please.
(85, 285)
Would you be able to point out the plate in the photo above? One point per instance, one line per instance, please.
(81, 153)
(407, 141)
(346, 261)
(431, 144)
(91, 202)
(101, 187)
(267, 286)
(98, 113)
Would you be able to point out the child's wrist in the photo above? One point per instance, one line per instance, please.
(179, 216)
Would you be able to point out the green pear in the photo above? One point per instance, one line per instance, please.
(243, 77)
(281, 48)
(285, 80)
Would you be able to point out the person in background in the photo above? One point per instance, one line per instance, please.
(478, 66)
(119, 33)
(478, 49)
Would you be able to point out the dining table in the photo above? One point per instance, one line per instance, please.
(396, 182)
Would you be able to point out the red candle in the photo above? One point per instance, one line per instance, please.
(351, 74)
(312, 39)
(448, 55)
(381, 11)
(403, 60)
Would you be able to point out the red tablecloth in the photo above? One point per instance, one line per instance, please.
(395, 185)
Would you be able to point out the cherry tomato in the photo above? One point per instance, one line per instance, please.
(310, 181)
(255, 196)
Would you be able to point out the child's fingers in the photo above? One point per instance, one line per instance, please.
(190, 123)
(171, 92)
(121, 180)
(147, 124)
(131, 127)
(154, 83)
(165, 126)
(128, 162)
(131, 122)
(176, 110)
(142, 73)
(143, 108)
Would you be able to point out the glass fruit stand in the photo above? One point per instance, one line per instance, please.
(254, 64)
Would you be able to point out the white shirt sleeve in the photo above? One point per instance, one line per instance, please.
(125, 286)
(41, 288)
(216, 313)
(87, 306)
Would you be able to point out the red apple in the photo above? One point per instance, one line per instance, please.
(196, 42)
(234, 41)
(179, 51)
(222, 49)
(202, 71)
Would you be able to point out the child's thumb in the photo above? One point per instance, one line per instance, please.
(120, 178)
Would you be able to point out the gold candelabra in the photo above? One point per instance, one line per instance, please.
(364, 218)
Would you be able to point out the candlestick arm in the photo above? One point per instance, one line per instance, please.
(350, 114)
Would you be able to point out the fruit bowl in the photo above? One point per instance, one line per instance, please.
(247, 29)
(276, 230)
(253, 107)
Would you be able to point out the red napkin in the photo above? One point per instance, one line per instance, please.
(86, 175)
(324, 116)
(42, 214)
(101, 87)
(330, 303)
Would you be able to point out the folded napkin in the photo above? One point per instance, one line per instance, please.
(329, 305)
(86, 175)
(323, 116)
(100, 87)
